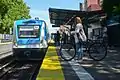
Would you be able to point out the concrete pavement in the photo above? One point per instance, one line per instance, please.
(107, 69)
(5, 47)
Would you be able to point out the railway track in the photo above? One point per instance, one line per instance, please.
(6, 60)
(19, 70)
(5, 68)
(10, 69)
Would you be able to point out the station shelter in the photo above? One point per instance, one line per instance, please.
(60, 17)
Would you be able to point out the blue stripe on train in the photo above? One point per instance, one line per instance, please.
(28, 41)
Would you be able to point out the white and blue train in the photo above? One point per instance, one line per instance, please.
(30, 39)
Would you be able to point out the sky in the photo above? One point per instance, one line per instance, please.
(39, 8)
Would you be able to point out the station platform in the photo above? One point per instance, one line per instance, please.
(5, 49)
(54, 68)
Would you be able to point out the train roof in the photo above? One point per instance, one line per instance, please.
(28, 21)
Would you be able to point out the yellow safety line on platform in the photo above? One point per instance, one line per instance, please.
(51, 68)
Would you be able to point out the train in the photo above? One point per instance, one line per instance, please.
(30, 39)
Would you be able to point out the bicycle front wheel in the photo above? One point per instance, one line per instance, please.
(67, 52)
(97, 51)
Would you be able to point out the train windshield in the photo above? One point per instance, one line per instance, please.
(28, 31)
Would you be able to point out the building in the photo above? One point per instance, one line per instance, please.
(92, 5)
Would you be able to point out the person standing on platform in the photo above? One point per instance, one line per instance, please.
(58, 38)
(79, 36)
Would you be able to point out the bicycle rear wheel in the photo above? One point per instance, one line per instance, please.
(67, 52)
(97, 51)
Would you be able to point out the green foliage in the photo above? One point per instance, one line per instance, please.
(11, 10)
(117, 9)
(111, 6)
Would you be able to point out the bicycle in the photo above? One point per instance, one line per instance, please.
(67, 48)
(98, 49)
(92, 47)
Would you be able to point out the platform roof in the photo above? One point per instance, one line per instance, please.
(63, 16)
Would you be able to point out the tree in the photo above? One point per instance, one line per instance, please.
(111, 6)
(11, 10)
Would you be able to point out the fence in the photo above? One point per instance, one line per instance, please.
(5, 38)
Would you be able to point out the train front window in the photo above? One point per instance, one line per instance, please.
(28, 31)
